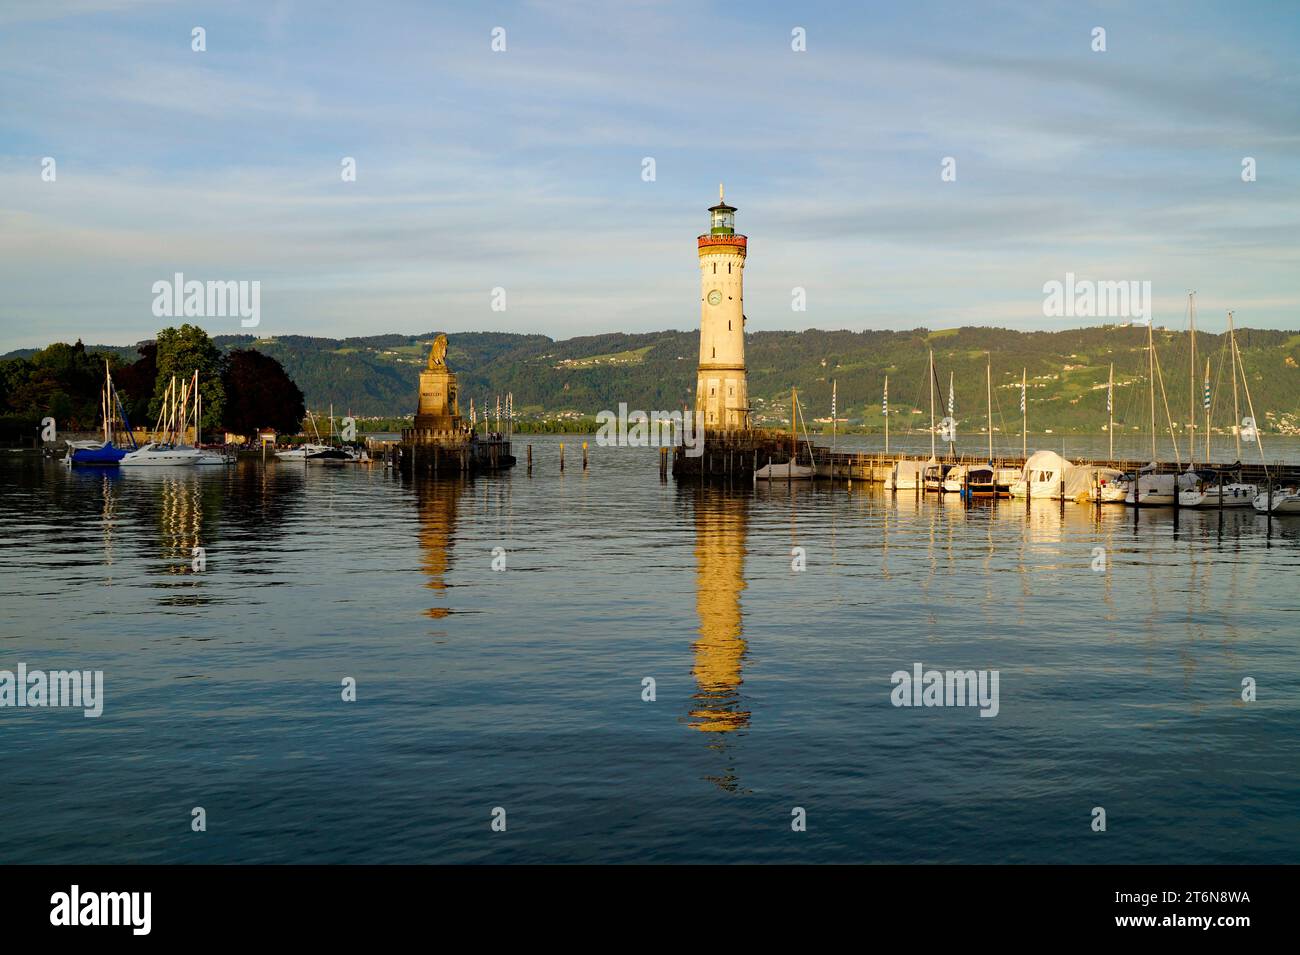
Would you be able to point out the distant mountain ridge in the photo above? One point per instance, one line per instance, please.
(1067, 371)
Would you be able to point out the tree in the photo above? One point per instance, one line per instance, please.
(259, 394)
(180, 352)
(135, 384)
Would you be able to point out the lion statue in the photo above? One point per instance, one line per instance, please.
(438, 354)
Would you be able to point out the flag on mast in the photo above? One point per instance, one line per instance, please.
(1207, 389)
(1110, 397)
(1022, 396)
(884, 402)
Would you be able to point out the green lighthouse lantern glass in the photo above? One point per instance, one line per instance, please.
(724, 220)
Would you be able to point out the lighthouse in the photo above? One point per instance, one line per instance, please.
(721, 392)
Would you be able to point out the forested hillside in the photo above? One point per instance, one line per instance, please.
(1066, 370)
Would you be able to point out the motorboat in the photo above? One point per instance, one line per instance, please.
(976, 480)
(302, 452)
(160, 455)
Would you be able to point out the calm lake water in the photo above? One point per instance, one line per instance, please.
(522, 688)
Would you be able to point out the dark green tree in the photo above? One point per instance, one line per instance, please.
(180, 352)
(258, 394)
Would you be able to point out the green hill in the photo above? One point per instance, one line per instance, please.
(1067, 370)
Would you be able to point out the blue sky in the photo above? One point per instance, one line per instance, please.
(522, 169)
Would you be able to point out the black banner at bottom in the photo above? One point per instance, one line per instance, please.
(216, 903)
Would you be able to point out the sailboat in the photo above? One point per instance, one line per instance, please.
(205, 457)
(792, 470)
(103, 453)
(979, 480)
(1043, 476)
(935, 471)
(1149, 488)
(165, 450)
(1098, 483)
(1214, 486)
(309, 451)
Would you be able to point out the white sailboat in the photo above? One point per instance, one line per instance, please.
(1214, 489)
(791, 470)
(1043, 475)
(1284, 501)
(1149, 488)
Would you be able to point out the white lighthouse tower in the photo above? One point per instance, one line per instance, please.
(721, 392)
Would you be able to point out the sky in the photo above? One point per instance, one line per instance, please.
(524, 169)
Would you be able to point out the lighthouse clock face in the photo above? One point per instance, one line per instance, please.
(715, 297)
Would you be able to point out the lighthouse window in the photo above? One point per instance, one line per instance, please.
(728, 268)
(715, 352)
(728, 324)
(715, 268)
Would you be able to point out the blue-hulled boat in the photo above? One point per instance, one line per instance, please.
(104, 453)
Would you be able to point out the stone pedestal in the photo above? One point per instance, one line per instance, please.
(439, 408)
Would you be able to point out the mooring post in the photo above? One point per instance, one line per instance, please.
(584, 455)
(561, 455)
(1062, 490)
(530, 459)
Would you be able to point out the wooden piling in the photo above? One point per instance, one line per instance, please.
(561, 455)
(584, 455)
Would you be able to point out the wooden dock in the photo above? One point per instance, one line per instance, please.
(734, 456)
(427, 453)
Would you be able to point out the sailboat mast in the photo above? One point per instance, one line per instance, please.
(931, 402)
(952, 407)
(1250, 406)
(1207, 411)
(1191, 380)
(1024, 417)
(988, 395)
(1236, 412)
(1110, 411)
(885, 409)
(792, 437)
(103, 404)
(1151, 377)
